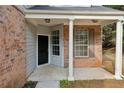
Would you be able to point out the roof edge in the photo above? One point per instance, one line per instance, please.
(119, 13)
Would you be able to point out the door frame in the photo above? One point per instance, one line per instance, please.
(37, 49)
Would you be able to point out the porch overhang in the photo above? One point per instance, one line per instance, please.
(119, 18)
(62, 16)
(76, 11)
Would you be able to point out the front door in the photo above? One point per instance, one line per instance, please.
(42, 49)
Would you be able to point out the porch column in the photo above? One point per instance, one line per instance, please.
(118, 56)
(70, 76)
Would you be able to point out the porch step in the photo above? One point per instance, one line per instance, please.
(47, 84)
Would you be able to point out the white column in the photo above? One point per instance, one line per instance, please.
(118, 56)
(70, 76)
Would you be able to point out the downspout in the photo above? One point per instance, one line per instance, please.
(122, 53)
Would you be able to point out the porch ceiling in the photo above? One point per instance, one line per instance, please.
(53, 22)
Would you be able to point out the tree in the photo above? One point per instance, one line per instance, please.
(118, 7)
(108, 36)
(109, 30)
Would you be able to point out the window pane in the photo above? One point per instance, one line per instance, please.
(81, 42)
(81, 53)
(77, 53)
(77, 48)
(85, 48)
(85, 53)
(85, 41)
(81, 48)
(55, 42)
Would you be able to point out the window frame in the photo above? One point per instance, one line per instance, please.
(75, 45)
(55, 45)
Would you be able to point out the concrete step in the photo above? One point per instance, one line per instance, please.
(47, 84)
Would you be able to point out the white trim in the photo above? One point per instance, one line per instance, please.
(62, 42)
(74, 12)
(119, 44)
(71, 72)
(42, 65)
(48, 49)
(54, 16)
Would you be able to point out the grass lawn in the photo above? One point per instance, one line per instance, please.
(92, 84)
(30, 84)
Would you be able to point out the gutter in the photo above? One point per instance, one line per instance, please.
(72, 12)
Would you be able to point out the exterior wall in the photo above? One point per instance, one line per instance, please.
(31, 49)
(43, 30)
(12, 47)
(96, 47)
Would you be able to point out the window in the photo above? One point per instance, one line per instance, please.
(81, 42)
(55, 42)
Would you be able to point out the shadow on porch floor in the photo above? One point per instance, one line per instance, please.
(51, 72)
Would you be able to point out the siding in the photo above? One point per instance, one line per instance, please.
(31, 34)
(31, 49)
(43, 30)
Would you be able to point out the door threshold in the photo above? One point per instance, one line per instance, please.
(43, 65)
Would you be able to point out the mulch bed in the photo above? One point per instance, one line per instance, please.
(30, 84)
(95, 84)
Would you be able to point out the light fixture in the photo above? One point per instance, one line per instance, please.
(94, 21)
(47, 20)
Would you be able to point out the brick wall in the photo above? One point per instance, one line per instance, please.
(12, 47)
(95, 61)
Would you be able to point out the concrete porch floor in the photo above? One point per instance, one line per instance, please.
(51, 72)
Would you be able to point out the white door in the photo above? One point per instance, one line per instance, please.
(57, 48)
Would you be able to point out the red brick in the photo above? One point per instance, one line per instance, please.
(12, 39)
(95, 61)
